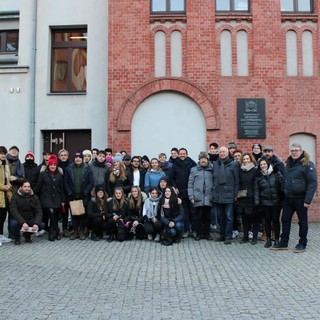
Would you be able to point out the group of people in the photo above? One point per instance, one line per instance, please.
(119, 197)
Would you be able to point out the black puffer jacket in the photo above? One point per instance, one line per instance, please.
(267, 189)
(50, 189)
(24, 207)
(246, 183)
(300, 178)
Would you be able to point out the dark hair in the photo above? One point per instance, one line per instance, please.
(181, 149)
(214, 144)
(173, 201)
(3, 149)
(102, 151)
(25, 181)
(175, 149)
(264, 159)
(108, 150)
(95, 149)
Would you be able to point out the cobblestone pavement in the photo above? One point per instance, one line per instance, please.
(145, 280)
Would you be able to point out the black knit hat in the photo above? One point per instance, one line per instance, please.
(145, 158)
(99, 187)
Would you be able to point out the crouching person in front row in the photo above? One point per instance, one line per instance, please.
(170, 213)
(26, 213)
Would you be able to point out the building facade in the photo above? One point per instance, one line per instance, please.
(179, 70)
(53, 74)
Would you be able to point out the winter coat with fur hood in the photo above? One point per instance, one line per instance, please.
(4, 180)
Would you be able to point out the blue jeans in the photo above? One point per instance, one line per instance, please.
(190, 217)
(176, 231)
(15, 226)
(225, 213)
(290, 206)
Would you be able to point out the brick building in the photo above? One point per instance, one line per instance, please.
(212, 53)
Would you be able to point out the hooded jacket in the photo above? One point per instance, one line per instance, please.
(4, 180)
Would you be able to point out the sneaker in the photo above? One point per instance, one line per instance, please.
(235, 233)
(250, 235)
(157, 238)
(40, 233)
(4, 239)
(280, 246)
(299, 248)
(194, 234)
(167, 243)
(150, 237)
(185, 234)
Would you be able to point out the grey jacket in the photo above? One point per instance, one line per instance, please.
(226, 192)
(200, 185)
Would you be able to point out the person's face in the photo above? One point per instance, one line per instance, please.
(145, 164)
(116, 165)
(94, 153)
(183, 154)
(127, 162)
(135, 162)
(167, 193)
(237, 156)
(246, 160)
(154, 194)
(163, 158)
(2, 156)
(123, 153)
(213, 150)
(256, 150)
(14, 152)
(263, 166)
(134, 193)
(26, 187)
(232, 150)
(118, 194)
(223, 153)
(100, 194)
(46, 156)
(78, 160)
(163, 184)
(268, 153)
(174, 154)
(101, 157)
(295, 152)
(109, 164)
(52, 167)
(63, 156)
(203, 162)
(154, 164)
(86, 158)
(108, 153)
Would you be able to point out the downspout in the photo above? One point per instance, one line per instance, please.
(33, 76)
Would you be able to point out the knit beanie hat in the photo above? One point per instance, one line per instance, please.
(145, 158)
(53, 160)
(30, 155)
(99, 187)
(203, 154)
(109, 159)
(78, 154)
(117, 158)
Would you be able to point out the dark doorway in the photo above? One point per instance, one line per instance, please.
(71, 140)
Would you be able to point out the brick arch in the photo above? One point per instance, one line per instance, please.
(131, 104)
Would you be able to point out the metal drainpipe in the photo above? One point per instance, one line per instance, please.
(33, 76)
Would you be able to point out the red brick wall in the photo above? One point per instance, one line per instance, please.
(292, 103)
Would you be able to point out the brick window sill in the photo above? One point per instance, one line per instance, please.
(168, 17)
(233, 17)
(293, 17)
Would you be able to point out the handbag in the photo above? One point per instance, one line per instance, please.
(77, 208)
(242, 193)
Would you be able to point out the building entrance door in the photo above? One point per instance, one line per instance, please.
(71, 140)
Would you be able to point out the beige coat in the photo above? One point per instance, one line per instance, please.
(4, 173)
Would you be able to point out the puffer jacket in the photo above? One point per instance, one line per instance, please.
(300, 178)
(247, 183)
(24, 207)
(227, 192)
(267, 189)
(200, 185)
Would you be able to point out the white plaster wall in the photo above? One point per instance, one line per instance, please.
(58, 112)
(166, 120)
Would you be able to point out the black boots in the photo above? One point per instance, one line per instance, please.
(268, 244)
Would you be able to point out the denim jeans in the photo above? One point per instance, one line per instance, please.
(16, 226)
(176, 231)
(290, 206)
(190, 217)
(225, 214)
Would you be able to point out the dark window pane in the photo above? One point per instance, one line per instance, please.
(79, 69)
(60, 70)
(12, 42)
(222, 5)
(158, 5)
(177, 5)
(287, 5)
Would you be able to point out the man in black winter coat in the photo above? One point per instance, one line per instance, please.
(300, 185)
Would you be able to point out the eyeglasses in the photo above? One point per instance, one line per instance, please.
(295, 150)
